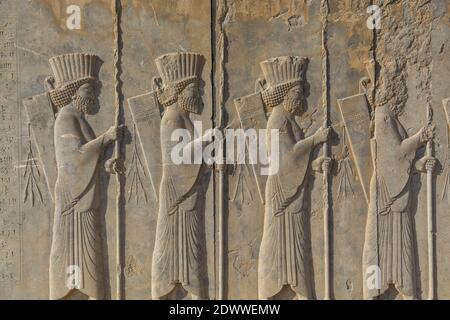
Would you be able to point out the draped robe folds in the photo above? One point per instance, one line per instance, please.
(75, 253)
(390, 234)
(179, 245)
(285, 256)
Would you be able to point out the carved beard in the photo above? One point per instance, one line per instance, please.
(190, 104)
(292, 105)
(83, 104)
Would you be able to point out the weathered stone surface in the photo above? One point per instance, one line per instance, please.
(90, 194)
(152, 29)
(38, 36)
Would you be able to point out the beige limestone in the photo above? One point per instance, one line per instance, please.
(97, 189)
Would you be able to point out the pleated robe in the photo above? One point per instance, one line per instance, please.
(180, 248)
(390, 233)
(285, 253)
(75, 258)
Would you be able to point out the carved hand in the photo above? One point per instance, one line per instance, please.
(322, 135)
(114, 133)
(114, 166)
(430, 165)
(321, 164)
(426, 164)
(326, 164)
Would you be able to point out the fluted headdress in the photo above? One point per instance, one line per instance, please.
(282, 74)
(177, 70)
(70, 72)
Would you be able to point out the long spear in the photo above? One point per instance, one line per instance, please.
(117, 150)
(324, 10)
(431, 267)
(220, 47)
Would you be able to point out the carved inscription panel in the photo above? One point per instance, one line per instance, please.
(10, 215)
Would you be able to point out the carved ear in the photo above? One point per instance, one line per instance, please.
(157, 83)
(260, 85)
(49, 83)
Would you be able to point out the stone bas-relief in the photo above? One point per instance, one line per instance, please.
(390, 231)
(178, 264)
(377, 228)
(76, 252)
(285, 254)
(390, 243)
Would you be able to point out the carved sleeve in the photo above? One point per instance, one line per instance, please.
(411, 144)
(303, 147)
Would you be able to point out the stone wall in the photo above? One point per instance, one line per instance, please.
(362, 212)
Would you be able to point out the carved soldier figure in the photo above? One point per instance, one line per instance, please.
(285, 253)
(285, 257)
(75, 258)
(390, 232)
(178, 264)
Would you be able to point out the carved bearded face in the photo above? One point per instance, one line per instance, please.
(294, 100)
(190, 99)
(85, 98)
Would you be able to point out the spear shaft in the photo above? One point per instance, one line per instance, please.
(324, 10)
(220, 50)
(117, 150)
(430, 222)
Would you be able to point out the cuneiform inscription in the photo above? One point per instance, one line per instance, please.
(9, 184)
